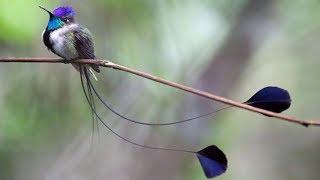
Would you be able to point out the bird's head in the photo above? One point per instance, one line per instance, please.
(60, 17)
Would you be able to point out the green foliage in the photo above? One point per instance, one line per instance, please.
(18, 20)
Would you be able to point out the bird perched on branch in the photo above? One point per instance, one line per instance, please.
(68, 39)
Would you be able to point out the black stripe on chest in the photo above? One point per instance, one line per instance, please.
(46, 40)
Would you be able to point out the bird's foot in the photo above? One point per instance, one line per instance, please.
(65, 61)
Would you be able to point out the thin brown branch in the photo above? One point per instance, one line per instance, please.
(109, 64)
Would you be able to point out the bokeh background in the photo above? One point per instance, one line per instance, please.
(228, 47)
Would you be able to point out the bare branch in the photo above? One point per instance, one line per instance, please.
(109, 64)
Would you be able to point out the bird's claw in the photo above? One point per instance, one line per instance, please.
(65, 61)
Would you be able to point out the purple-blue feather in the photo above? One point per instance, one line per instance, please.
(64, 11)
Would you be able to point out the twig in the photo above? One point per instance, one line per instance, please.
(109, 64)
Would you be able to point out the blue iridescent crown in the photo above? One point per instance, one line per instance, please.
(64, 11)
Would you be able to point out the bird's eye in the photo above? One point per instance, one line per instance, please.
(66, 20)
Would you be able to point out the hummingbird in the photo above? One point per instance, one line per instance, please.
(67, 38)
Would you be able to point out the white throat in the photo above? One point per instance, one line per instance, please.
(58, 37)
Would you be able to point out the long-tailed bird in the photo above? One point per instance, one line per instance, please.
(69, 40)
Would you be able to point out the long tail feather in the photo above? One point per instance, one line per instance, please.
(92, 74)
(212, 159)
(88, 92)
(93, 109)
(107, 105)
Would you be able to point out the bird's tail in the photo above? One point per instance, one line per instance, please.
(95, 67)
(92, 74)
(89, 68)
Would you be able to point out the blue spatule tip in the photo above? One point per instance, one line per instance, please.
(271, 98)
(213, 161)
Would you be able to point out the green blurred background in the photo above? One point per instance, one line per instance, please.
(231, 48)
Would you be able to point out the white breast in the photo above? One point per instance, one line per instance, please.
(57, 38)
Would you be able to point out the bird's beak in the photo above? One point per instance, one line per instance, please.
(50, 13)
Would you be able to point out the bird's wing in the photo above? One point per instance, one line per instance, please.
(84, 43)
